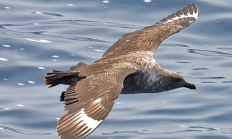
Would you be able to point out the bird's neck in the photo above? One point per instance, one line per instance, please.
(144, 81)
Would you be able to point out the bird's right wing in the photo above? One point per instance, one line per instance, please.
(90, 100)
(149, 38)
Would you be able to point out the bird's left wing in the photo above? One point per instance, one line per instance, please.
(149, 38)
(90, 100)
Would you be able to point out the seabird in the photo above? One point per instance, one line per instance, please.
(127, 67)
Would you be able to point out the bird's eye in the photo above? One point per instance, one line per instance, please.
(178, 79)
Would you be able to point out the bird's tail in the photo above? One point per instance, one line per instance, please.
(68, 77)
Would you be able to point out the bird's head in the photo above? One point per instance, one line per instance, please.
(172, 80)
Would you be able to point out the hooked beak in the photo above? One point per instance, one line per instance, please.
(189, 85)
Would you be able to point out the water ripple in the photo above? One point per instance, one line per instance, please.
(126, 132)
(46, 13)
(183, 129)
(25, 132)
(209, 53)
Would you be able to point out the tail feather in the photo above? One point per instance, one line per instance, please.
(55, 77)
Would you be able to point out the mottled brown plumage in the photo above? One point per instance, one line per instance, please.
(127, 67)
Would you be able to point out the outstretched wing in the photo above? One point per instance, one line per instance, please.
(90, 100)
(149, 38)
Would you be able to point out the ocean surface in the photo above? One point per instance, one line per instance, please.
(37, 36)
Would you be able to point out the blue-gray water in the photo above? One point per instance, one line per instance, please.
(40, 35)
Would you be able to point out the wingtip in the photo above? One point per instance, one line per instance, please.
(184, 16)
(195, 9)
(190, 10)
(76, 125)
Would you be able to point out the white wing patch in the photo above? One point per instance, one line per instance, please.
(97, 100)
(83, 119)
(76, 125)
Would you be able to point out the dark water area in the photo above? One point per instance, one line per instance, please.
(40, 35)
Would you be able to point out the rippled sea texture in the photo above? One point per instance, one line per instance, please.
(40, 35)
